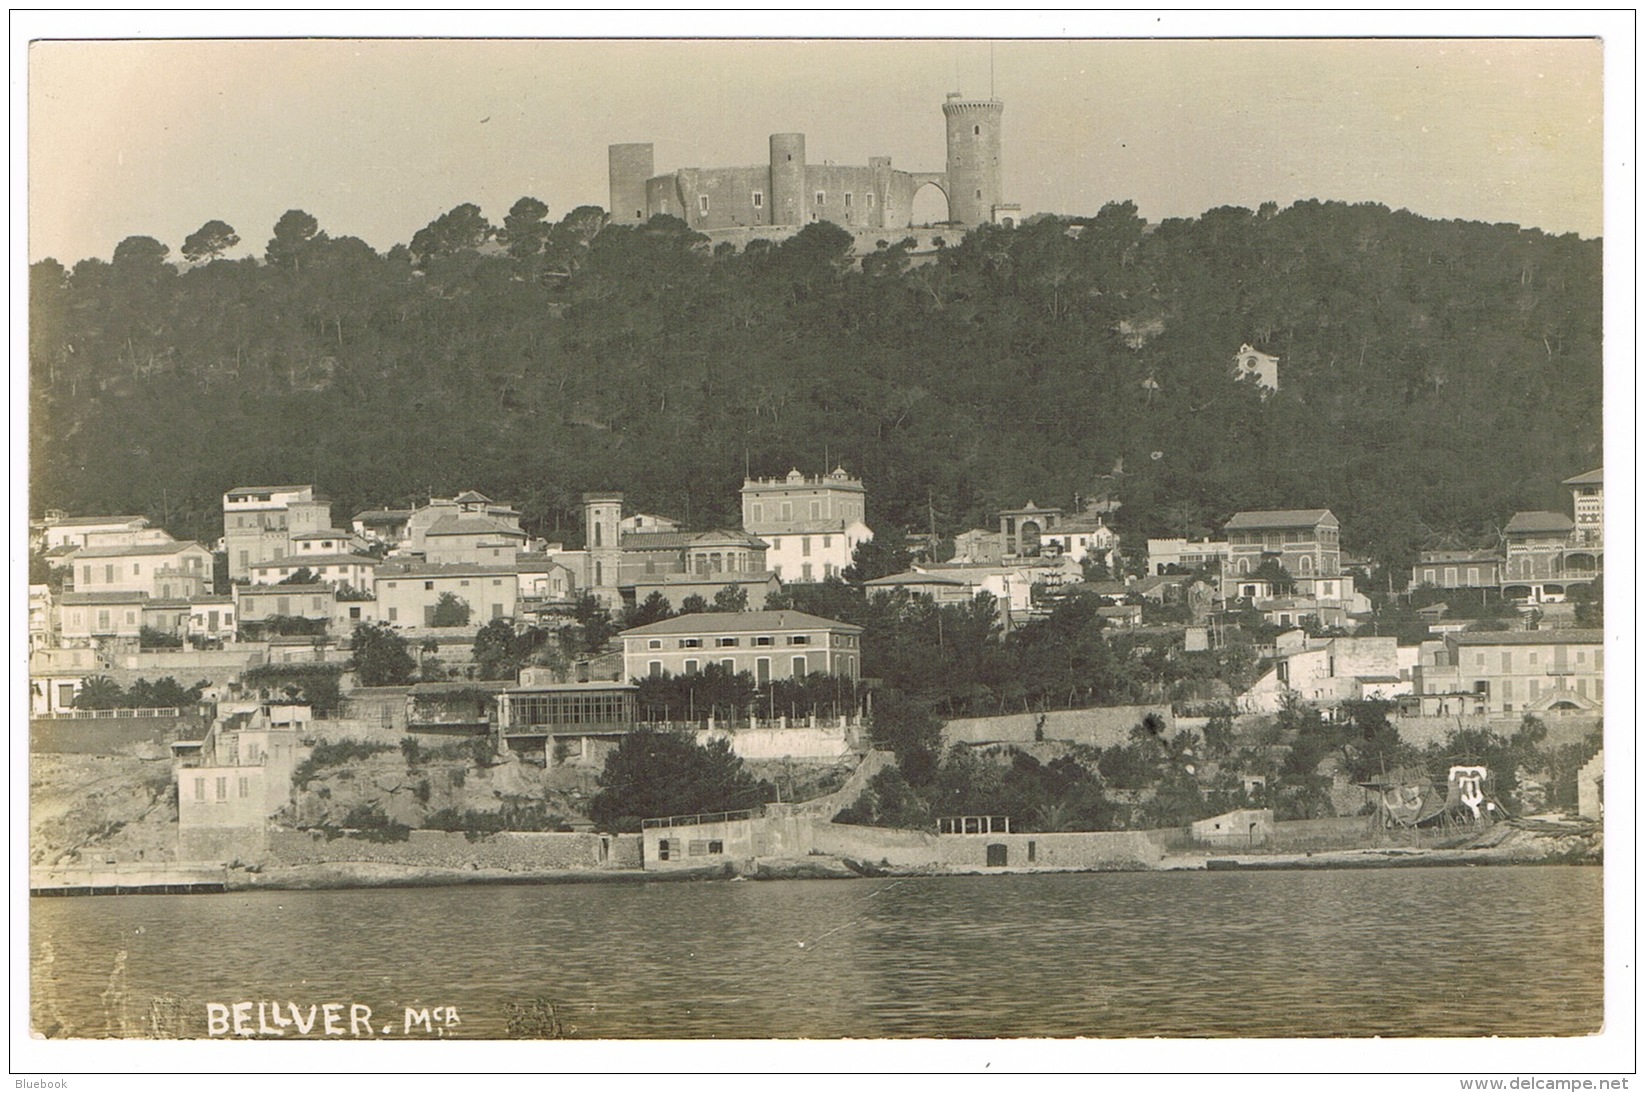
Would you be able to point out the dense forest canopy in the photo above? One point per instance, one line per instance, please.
(1434, 376)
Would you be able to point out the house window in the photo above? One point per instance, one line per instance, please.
(462, 584)
(727, 643)
(393, 614)
(822, 197)
(690, 667)
(805, 571)
(799, 639)
(763, 640)
(691, 643)
(654, 643)
(428, 586)
(799, 667)
(762, 670)
(759, 200)
(655, 669)
(354, 613)
(108, 574)
(848, 199)
(702, 204)
(199, 789)
(662, 849)
(222, 788)
(245, 787)
(496, 610)
(729, 665)
(1030, 849)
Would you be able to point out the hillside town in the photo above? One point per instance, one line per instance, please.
(447, 625)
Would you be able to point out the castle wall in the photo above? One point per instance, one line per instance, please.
(874, 197)
(855, 198)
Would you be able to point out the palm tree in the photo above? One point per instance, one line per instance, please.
(1056, 816)
(99, 693)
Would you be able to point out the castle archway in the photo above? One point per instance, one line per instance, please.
(930, 206)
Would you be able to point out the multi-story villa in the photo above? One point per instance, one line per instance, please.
(766, 644)
(260, 522)
(811, 526)
(1306, 544)
(1512, 672)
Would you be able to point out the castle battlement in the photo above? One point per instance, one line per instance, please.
(790, 192)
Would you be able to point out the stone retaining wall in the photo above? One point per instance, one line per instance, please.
(1569, 729)
(222, 844)
(1055, 850)
(109, 735)
(1100, 726)
(522, 850)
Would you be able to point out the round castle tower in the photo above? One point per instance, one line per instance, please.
(973, 158)
(629, 166)
(787, 178)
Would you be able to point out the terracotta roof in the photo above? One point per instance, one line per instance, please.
(1529, 637)
(472, 525)
(1281, 518)
(1432, 556)
(796, 527)
(724, 577)
(94, 521)
(914, 577)
(309, 561)
(526, 562)
(739, 622)
(71, 599)
(446, 569)
(681, 540)
(242, 490)
(1594, 477)
(472, 497)
(383, 516)
(137, 550)
(328, 533)
(1538, 522)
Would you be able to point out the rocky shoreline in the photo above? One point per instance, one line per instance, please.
(1530, 842)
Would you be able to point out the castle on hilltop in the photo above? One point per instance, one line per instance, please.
(787, 191)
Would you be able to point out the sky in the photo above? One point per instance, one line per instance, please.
(378, 137)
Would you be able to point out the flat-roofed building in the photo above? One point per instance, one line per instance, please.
(567, 722)
(408, 592)
(354, 570)
(811, 526)
(1450, 569)
(1512, 672)
(258, 522)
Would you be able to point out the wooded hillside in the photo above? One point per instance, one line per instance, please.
(1434, 376)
